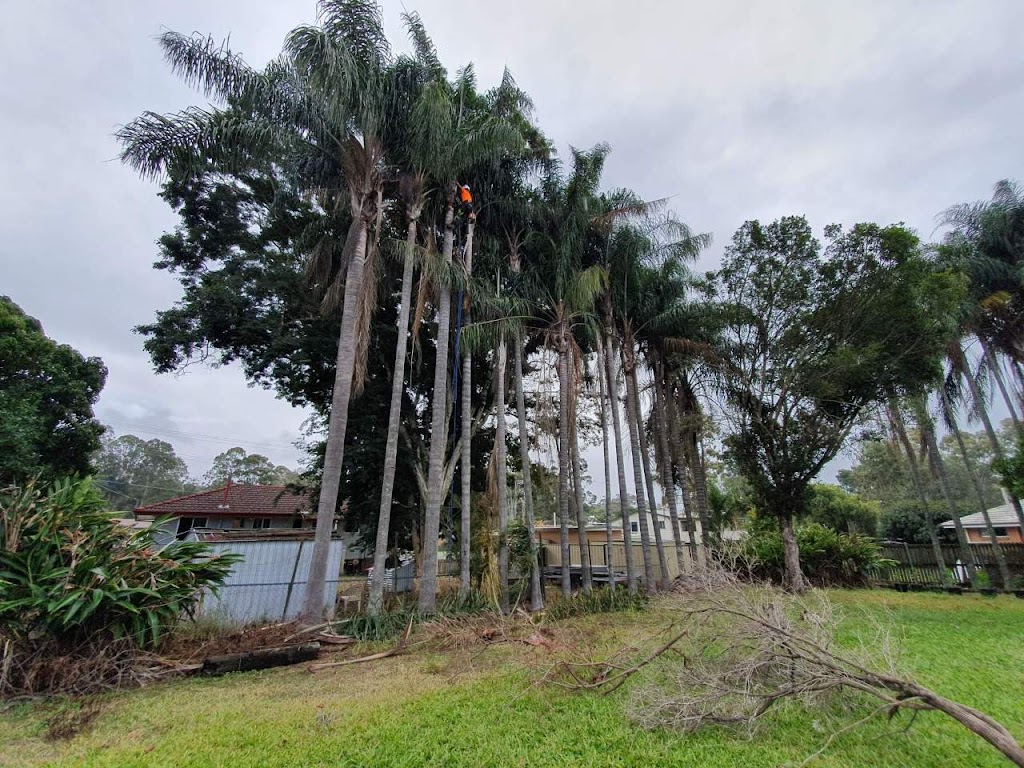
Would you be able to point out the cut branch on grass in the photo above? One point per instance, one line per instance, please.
(749, 647)
(397, 650)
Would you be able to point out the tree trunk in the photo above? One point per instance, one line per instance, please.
(982, 411)
(1004, 573)
(438, 430)
(628, 363)
(334, 454)
(536, 589)
(502, 464)
(563, 462)
(587, 576)
(794, 576)
(899, 429)
(681, 462)
(376, 599)
(700, 486)
(645, 461)
(924, 422)
(666, 466)
(993, 365)
(620, 462)
(608, 527)
(466, 505)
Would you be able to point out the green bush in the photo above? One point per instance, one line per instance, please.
(72, 576)
(827, 558)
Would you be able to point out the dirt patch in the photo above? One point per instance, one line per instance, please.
(185, 649)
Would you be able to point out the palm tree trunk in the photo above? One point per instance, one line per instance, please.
(502, 464)
(638, 472)
(900, 431)
(997, 449)
(613, 399)
(587, 576)
(438, 430)
(666, 466)
(608, 527)
(997, 372)
(466, 505)
(334, 455)
(681, 462)
(536, 590)
(927, 427)
(376, 599)
(1004, 573)
(563, 462)
(645, 461)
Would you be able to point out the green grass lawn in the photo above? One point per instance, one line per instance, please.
(476, 707)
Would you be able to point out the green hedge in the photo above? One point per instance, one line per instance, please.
(827, 558)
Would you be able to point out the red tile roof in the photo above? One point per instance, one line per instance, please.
(233, 500)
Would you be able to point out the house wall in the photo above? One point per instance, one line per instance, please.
(980, 536)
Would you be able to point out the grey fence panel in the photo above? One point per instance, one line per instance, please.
(269, 584)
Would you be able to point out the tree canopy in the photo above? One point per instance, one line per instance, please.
(47, 393)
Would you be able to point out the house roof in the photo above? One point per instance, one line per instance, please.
(1002, 517)
(232, 500)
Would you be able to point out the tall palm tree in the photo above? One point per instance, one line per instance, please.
(416, 146)
(325, 107)
(897, 427)
(960, 371)
(927, 427)
(474, 133)
(950, 418)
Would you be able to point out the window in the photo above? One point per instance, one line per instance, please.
(1001, 533)
(261, 522)
(661, 525)
(186, 524)
(634, 527)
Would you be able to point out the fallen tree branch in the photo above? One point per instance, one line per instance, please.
(398, 649)
(751, 646)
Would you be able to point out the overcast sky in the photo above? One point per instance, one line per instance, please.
(844, 111)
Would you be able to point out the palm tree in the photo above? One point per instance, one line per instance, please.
(950, 417)
(325, 106)
(472, 133)
(417, 145)
(927, 427)
(899, 432)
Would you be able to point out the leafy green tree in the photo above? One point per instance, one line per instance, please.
(844, 512)
(810, 340)
(132, 472)
(248, 469)
(47, 393)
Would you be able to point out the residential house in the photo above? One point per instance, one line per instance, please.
(233, 506)
(1004, 521)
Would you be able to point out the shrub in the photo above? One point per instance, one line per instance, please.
(827, 558)
(73, 581)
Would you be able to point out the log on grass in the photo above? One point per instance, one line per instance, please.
(263, 658)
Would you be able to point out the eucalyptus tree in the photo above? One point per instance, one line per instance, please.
(323, 110)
